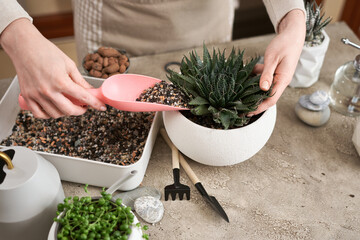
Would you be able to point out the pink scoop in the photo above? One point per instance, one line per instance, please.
(121, 91)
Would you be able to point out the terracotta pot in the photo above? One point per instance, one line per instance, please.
(308, 68)
(218, 147)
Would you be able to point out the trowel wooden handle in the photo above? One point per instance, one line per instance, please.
(188, 169)
(174, 150)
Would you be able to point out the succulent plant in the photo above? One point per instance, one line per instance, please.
(314, 23)
(221, 87)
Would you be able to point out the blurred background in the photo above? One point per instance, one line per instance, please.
(54, 19)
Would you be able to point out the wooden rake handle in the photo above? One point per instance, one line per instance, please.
(174, 150)
(179, 157)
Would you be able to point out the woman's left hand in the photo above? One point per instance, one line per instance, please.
(281, 58)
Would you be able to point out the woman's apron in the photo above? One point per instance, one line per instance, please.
(144, 27)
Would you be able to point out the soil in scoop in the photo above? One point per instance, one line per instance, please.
(164, 93)
(112, 136)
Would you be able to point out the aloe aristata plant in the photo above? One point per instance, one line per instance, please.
(221, 87)
(315, 23)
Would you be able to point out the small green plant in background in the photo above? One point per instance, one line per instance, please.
(220, 87)
(89, 218)
(315, 23)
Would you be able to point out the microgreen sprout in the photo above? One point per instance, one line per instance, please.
(95, 218)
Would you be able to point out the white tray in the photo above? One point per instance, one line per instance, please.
(77, 169)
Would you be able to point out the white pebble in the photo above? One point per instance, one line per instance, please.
(150, 209)
(312, 118)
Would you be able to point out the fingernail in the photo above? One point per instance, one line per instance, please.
(250, 115)
(103, 108)
(265, 85)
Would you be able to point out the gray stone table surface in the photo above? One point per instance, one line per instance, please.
(304, 184)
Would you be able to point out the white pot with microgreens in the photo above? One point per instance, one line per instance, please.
(221, 91)
(101, 217)
(315, 47)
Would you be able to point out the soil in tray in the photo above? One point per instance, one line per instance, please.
(112, 136)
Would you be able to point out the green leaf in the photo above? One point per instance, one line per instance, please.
(249, 67)
(225, 119)
(200, 110)
(214, 101)
(198, 101)
(201, 89)
(206, 55)
(241, 77)
(253, 99)
(254, 81)
(221, 85)
(240, 106)
(230, 90)
(241, 121)
(213, 110)
(251, 90)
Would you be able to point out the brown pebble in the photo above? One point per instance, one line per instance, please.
(88, 57)
(112, 68)
(106, 61)
(97, 66)
(123, 60)
(113, 60)
(95, 73)
(88, 64)
(122, 69)
(94, 56)
(100, 60)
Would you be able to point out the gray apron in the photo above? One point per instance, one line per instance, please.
(144, 27)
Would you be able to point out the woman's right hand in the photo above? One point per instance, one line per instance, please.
(46, 75)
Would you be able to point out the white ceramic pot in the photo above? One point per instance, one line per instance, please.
(218, 147)
(356, 136)
(310, 62)
(29, 194)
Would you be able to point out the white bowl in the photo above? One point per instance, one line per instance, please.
(218, 147)
(136, 233)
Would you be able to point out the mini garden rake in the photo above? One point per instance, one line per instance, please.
(177, 187)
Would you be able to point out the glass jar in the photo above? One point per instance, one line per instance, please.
(345, 90)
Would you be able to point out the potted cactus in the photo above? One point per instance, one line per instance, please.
(316, 44)
(221, 91)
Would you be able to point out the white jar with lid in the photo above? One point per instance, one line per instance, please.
(29, 194)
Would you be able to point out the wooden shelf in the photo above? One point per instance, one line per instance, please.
(55, 26)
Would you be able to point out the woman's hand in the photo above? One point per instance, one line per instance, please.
(46, 75)
(281, 57)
